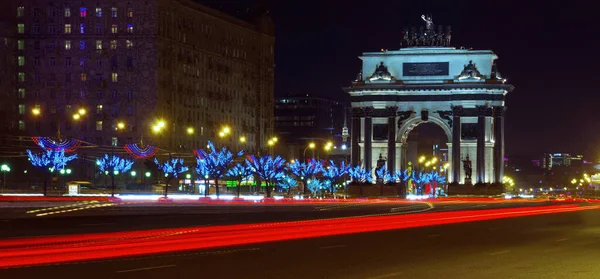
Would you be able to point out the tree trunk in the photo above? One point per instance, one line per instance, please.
(206, 187)
(305, 186)
(217, 187)
(46, 184)
(268, 189)
(238, 188)
(167, 187)
(112, 178)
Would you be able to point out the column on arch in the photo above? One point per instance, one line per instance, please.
(391, 152)
(368, 147)
(355, 137)
(456, 123)
(499, 143)
(481, 115)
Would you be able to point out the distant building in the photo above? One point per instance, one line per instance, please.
(552, 160)
(135, 62)
(301, 119)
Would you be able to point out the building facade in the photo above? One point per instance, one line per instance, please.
(427, 81)
(302, 119)
(138, 62)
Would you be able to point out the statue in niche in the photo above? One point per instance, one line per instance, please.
(470, 72)
(448, 36)
(381, 73)
(495, 73)
(468, 169)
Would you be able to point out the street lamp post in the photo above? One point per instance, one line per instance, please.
(312, 146)
(4, 168)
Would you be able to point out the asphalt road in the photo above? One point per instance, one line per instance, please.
(565, 245)
(16, 222)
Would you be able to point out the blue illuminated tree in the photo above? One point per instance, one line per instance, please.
(202, 170)
(113, 165)
(49, 161)
(288, 183)
(171, 169)
(306, 170)
(383, 177)
(316, 186)
(360, 176)
(401, 177)
(270, 169)
(439, 181)
(240, 173)
(336, 174)
(216, 162)
(420, 179)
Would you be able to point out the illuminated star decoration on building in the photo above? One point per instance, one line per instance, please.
(66, 145)
(54, 160)
(113, 164)
(140, 152)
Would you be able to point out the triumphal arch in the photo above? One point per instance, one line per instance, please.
(428, 81)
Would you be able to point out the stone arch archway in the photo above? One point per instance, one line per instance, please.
(413, 122)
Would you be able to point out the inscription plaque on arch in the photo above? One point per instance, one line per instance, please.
(425, 69)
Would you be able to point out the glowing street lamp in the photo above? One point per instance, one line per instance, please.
(312, 145)
(4, 169)
(36, 111)
(147, 174)
(190, 130)
(81, 111)
(120, 126)
(242, 139)
(76, 116)
(422, 159)
(133, 173)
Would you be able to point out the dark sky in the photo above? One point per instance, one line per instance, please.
(549, 52)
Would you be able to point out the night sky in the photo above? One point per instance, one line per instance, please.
(547, 51)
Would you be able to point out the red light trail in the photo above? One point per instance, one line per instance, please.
(67, 248)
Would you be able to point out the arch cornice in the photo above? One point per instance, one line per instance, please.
(413, 122)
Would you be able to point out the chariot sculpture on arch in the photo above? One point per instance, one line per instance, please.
(381, 73)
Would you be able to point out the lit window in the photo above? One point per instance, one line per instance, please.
(67, 28)
(67, 12)
(20, 11)
(21, 77)
(113, 44)
(99, 109)
(21, 125)
(129, 12)
(82, 28)
(21, 60)
(82, 61)
(67, 45)
(99, 125)
(82, 45)
(114, 77)
(98, 12)
(130, 28)
(83, 77)
(51, 29)
(98, 45)
(21, 109)
(21, 93)
(113, 28)
(20, 45)
(82, 12)
(129, 43)
(115, 141)
(21, 28)
(113, 12)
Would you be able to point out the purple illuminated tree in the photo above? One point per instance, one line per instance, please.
(270, 169)
(113, 165)
(216, 162)
(49, 161)
(171, 169)
(335, 174)
(306, 171)
(240, 173)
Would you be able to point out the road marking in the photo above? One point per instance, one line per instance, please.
(98, 224)
(499, 252)
(332, 246)
(146, 268)
(433, 235)
(385, 275)
(562, 239)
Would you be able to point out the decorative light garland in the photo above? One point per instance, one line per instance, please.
(66, 145)
(140, 152)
